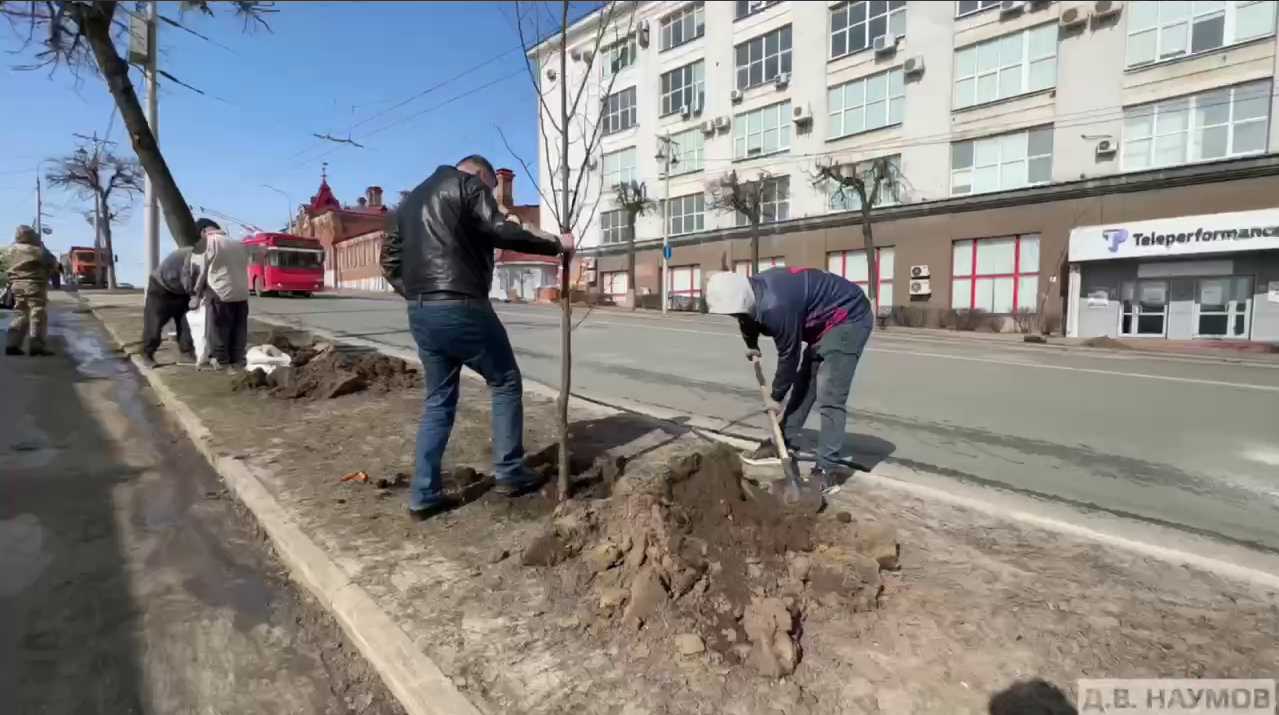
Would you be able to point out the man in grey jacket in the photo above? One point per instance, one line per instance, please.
(169, 292)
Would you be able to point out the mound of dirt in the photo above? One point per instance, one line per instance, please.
(704, 554)
(320, 371)
(1106, 343)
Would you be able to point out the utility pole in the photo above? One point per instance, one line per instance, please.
(151, 215)
(39, 206)
(106, 253)
(668, 148)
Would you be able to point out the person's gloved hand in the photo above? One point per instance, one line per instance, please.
(753, 354)
(194, 305)
(774, 406)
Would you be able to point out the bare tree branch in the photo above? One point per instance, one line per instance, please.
(745, 198)
(524, 164)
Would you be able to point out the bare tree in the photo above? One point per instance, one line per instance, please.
(748, 199)
(580, 121)
(82, 35)
(871, 183)
(632, 198)
(105, 178)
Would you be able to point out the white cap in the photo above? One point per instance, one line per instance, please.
(729, 293)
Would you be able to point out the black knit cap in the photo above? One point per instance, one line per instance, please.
(206, 223)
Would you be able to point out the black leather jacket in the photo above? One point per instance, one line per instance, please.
(441, 239)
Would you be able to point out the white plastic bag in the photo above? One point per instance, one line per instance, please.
(198, 323)
(266, 358)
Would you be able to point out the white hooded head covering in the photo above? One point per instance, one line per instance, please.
(729, 294)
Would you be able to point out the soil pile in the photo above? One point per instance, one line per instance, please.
(320, 371)
(713, 562)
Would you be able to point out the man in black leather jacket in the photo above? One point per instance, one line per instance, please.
(438, 255)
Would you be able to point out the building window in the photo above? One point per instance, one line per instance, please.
(997, 275)
(1143, 308)
(619, 55)
(614, 283)
(854, 26)
(867, 104)
(619, 167)
(684, 287)
(774, 202)
(851, 265)
(746, 8)
(763, 131)
(686, 151)
(761, 59)
(619, 111)
(1160, 31)
(765, 264)
(613, 228)
(1001, 163)
(683, 87)
(1217, 124)
(892, 191)
(1006, 66)
(683, 26)
(687, 214)
(967, 7)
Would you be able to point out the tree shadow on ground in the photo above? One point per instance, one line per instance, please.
(1031, 697)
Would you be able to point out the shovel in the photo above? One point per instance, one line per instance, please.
(793, 490)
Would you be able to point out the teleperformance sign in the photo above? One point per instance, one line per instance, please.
(1182, 236)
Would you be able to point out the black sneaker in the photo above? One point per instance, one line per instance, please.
(439, 507)
(148, 361)
(829, 481)
(527, 484)
(765, 454)
(13, 350)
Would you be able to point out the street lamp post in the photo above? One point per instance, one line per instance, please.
(667, 158)
(288, 214)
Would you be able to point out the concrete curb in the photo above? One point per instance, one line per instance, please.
(414, 679)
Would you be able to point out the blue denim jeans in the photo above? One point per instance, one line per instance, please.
(826, 376)
(451, 334)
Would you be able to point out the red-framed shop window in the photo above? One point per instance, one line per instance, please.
(996, 275)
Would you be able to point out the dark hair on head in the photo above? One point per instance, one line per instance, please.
(488, 174)
(207, 223)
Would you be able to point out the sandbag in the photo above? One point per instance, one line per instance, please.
(198, 323)
(265, 358)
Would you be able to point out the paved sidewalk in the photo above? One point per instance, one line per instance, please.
(129, 582)
(980, 603)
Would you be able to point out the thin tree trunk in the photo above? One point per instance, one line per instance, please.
(95, 22)
(110, 251)
(566, 304)
(872, 260)
(630, 263)
(754, 246)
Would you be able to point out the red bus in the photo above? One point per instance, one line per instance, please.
(279, 262)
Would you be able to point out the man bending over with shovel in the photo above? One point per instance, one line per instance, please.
(820, 323)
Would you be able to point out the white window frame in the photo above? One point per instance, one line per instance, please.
(687, 151)
(970, 267)
(1167, 28)
(615, 118)
(848, 200)
(613, 228)
(619, 167)
(781, 57)
(691, 289)
(982, 6)
(851, 265)
(1159, 115)
(775, 205)
(687, 208)
(853, 100)
(746, 8)
(691, 20)
(619, 55)
(1011, 77)
(609, 281)
(753, 128)
(1001, 144)
(691, 92)
(894, 17)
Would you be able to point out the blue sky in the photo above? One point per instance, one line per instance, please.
(323, 68)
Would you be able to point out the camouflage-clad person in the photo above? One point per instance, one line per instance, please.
(30, 265)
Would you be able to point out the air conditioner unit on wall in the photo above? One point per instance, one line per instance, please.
(1106, 8)
(920, 271)
(801, 113)
(920, 287)
(735, 96)
(1073, 17)
(913, 65)
(708, 126)
(885, 43)
(685, 112)
(1106, 147)
(722, 123)
(1011, 6)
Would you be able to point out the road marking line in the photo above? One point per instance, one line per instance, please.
(972, 358)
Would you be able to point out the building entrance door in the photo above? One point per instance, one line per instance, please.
(1143, 309)
(1223, 306)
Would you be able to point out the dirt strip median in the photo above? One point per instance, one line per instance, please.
(666, 588)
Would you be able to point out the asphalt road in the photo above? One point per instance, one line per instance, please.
(1181, 442)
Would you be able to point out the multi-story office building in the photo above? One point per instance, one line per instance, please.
(1109, 163)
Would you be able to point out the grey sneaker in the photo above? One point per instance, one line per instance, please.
(148, 361)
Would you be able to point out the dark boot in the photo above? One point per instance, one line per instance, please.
(36, 348)
(13, 350)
